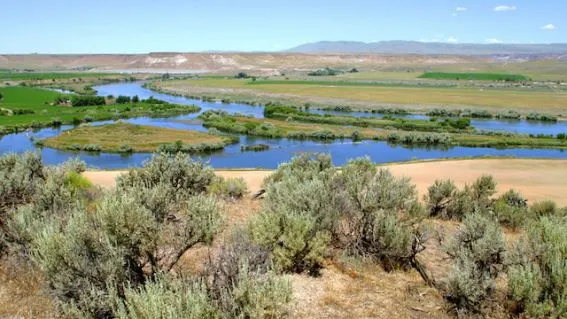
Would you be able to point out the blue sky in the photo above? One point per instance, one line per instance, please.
(139, 26)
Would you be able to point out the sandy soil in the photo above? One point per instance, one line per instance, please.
(536, 179)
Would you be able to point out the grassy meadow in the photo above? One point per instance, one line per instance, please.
(474, 76)
(368, 95)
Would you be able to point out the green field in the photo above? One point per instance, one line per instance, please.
(415, 98)
(140, 138)
(45, 113)
(474, 76)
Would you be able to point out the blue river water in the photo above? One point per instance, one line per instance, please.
(281, 150)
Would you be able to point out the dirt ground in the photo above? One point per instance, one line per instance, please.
(536, 179)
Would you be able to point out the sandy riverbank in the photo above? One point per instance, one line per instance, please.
(536, 179)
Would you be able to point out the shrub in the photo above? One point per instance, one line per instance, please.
(91, 148)
(445, 201)
(121, 243)
(439, 196)
(165, 297)
(125, 148)
(255, 148)
(536, 278)
(121, 99)
(179, 172)
(511, 209)
(229, 188)
(87, 100)
(478, 252)
(370, 201)
(242, 283)
(88, 119)
(543, 208)
(298, 214)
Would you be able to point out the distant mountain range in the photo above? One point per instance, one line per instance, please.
(430, 48)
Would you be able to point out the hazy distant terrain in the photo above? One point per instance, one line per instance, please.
(195, 62)
(416, 47)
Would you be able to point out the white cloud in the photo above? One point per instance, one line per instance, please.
(549, 27)
(505, 8)
(452, 40)
(493, 40)
(461, 9)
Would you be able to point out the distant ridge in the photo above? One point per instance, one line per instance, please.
(429, 48)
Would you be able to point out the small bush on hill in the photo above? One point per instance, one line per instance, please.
(536, 278)
(231, 188)
(370, 201)
(446, 201)
(478, 252)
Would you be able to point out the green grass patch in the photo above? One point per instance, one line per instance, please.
(474, 76)
(45, 113)
(114, 138)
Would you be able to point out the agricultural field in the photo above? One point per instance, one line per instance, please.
(368, 95)
(127, 138)
(474, 76)
(35, 107)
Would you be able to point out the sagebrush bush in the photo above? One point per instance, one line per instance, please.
(242, 283)
(370, 223)
(446, 201)
(298, 213)
(180, 172)
(439, 196)
(125, 241)
(166, 298)
(30, 193)
(543, 208)
(478, 250)
(511, 209)
(537, 276)
(230, 188)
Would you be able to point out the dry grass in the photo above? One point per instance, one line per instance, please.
(493, 99)
(21, 291)
(140, 138)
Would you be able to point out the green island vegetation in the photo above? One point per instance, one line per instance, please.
(326, 72)
(475, 76)
(300, 128)
(127, 138)
(27, 107)
(445, 125)
(119, 253)
(255, 148)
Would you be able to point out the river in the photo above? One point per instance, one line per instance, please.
(281, 149)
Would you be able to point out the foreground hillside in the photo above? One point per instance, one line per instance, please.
(172, 240)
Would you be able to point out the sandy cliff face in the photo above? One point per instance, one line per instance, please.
(267, 62)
